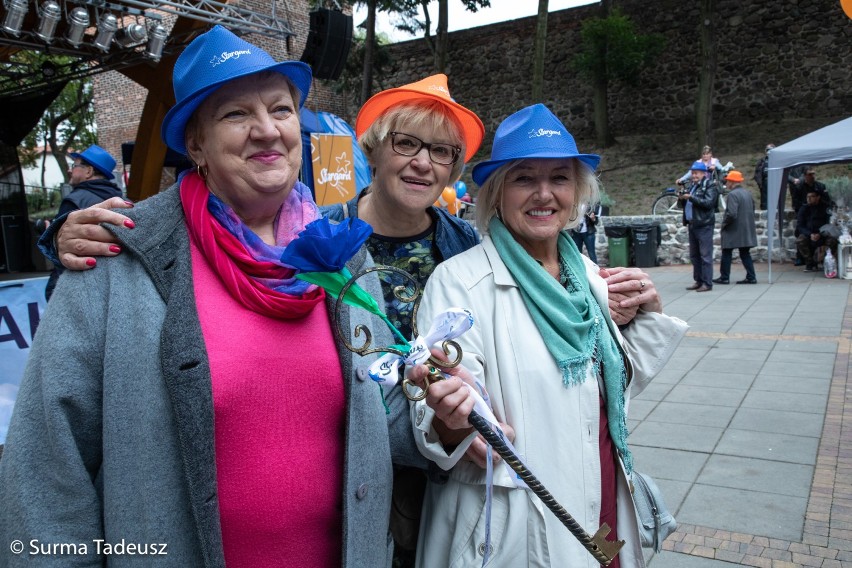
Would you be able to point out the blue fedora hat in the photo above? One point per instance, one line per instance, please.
(532, 132)
(98, 158)
(211, 60)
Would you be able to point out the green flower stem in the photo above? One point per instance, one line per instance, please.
(333, 283)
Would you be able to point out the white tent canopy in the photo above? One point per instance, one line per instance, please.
(830, 144)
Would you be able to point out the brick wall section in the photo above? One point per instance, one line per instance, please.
(773, 57)
(119, 101)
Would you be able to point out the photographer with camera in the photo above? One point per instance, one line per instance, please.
(699, 216)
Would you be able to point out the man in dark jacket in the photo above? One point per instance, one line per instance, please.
(738, 230)
(812, 216)
(699, 215)
(761, 176)
(90, 173)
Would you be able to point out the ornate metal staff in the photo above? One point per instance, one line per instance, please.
(601, 549)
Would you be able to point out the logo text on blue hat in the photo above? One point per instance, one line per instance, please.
(537, 133)
(226, 55)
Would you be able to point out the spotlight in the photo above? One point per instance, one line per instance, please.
(107, 27)
(50, 13)
(131, 35)
(16, 10)
(156, 40)
(78, 22)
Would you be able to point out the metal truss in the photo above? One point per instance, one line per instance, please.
(18, 79)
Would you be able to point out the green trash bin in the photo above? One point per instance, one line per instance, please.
(618, 243)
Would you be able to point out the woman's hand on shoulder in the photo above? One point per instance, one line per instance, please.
(81, 237)
(631, 288)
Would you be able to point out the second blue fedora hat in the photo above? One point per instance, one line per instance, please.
(532, 132)
(98, 158)
(211, 60)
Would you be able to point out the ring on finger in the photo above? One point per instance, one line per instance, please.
(641, 284)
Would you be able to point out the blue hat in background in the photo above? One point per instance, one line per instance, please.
(98, 158)
(211, 60)
(699, 165)
(532, 132)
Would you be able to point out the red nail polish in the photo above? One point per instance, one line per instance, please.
(128, 203)
(129, 224)
(91, 262)
(114, 248)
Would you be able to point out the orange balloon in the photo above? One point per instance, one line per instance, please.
(847, 7)
(448, 195)
(454, 207)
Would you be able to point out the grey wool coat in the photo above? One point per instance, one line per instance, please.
(738, 227)
(112, 438)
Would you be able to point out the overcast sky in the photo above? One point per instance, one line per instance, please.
(500, 11)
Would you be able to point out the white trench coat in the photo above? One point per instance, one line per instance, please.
(556, 428)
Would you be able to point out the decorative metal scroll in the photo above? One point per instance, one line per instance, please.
(601, 549)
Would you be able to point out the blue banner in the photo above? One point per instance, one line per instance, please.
(21, 305)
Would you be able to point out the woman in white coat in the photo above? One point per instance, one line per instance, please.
(557, 370)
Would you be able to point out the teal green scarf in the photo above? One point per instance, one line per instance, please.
(573, 327)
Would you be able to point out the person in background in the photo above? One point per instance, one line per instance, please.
(557, 370)
(190, 391)
(699, 216)
(738, 230)
(585, 234)
(712, 164)
(809, 183)
(761, 176)
(91, 179)
(798, 193)
(813, 215)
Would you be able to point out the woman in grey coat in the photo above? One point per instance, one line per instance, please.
(188, 401)
(738, 230)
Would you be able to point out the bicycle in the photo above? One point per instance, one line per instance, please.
(666, 202)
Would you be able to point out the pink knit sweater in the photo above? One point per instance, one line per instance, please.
(279, 405)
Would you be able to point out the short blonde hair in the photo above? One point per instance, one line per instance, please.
(414, 114)
(586, 192)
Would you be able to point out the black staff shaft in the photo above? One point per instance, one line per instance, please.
(602, 550)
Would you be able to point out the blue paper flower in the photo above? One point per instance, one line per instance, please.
(326, 247)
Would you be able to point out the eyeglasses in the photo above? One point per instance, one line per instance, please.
(79, 166)
(407, 145)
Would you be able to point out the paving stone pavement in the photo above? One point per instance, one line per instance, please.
(748, 429)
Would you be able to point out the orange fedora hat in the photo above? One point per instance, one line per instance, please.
(431, 88)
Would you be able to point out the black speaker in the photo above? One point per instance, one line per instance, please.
(329, 40)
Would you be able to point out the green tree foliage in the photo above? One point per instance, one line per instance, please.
(611, 50)
(408, 21)
(66, 125)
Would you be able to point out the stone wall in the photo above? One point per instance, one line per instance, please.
(674, 241)
(786, 59)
